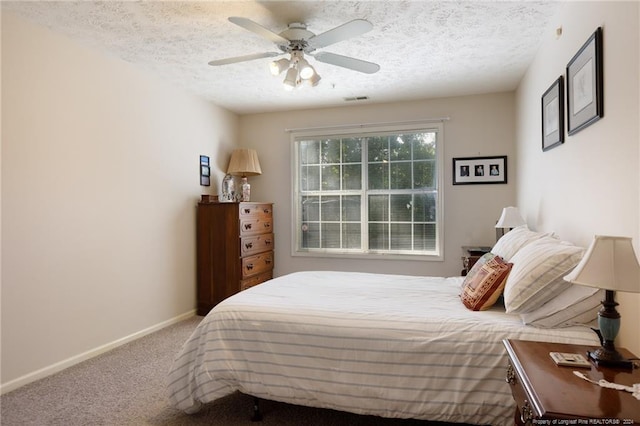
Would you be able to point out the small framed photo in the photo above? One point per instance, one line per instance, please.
(585, 102)
(205, 171)
(479, 170)
(553, 115)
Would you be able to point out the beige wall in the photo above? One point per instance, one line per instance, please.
(589, 185)
(99, 186)
(478, 126)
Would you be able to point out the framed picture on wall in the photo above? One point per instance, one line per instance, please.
(585, 102)
(479, 170)
(553, 115)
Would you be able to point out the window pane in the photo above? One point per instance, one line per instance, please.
(330, 235)
(378, 208)
(310, 178)
(310, 235)
(378, 149)
(351, 237)
(351, 208)
(424, 174)
(400, 149)
(310, 209)
(424, 206)
(352, 176)
(378, 236)
(401, 208)
(330, 178)
(424, 146)
(401, 236)
(379, 176)
(424, 237)
(330, 210)
(331, 151)
(351, 151)
(401, 175)
(309, 152)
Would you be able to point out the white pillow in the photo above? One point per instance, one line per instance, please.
(576, 305)
(508, 245)
(537, 273)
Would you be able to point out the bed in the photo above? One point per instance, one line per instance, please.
(385, 345)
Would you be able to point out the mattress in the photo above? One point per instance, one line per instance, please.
(385, 345)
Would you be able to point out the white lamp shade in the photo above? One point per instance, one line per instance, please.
(244, 162)
(609, 263)
(510, 218)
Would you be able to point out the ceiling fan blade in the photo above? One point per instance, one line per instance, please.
(347, 62)
(343, 32)
(243, 58)
(248, 24)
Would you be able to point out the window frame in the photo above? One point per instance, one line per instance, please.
(364, 131)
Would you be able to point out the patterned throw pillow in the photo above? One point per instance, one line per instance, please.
(482, 287)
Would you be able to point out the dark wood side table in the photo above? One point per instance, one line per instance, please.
(470, 255)
(544, 391)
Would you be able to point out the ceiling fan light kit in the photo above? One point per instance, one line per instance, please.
(296, 40)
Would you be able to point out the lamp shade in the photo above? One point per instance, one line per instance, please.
(609, 263)
(510, 218)
(244, 162)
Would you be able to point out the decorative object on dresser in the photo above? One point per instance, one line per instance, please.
(585, 88)
(546, 393)
(610, 264)
(234, 249)
(509, 219)
(470, 256)
(244, 162)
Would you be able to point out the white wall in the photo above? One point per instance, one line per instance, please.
(590, 184)
(99, 186)
(478, 126)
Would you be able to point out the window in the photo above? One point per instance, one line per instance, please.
(368, 192)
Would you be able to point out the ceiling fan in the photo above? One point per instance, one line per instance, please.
(297, 41)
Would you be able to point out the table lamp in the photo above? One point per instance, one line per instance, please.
(610, 264)
(510, 218)
(244, 162)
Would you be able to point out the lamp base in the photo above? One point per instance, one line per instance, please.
(607, 358)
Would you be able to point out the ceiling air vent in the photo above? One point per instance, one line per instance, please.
(356, 98)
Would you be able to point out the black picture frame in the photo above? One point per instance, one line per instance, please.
(480, 170)
(553, 115)
(205, 171)
(585, 91)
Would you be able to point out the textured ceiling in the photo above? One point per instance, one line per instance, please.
(424, 48)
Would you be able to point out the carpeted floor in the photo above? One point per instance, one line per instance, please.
(127, 386)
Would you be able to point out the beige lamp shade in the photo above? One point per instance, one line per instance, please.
(510, 218)
(244, 162)
(609, 263)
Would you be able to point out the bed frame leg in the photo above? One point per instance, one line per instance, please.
(257, 415)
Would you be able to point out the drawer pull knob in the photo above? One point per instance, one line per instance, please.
(247, 211)
(267, 242)
(267, 225)
(266, 211)
(267, 261)
(249, 266)
(247, 226)
(248, 245)
(526, 415)
(511, 375)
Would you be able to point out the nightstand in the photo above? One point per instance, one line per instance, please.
(544, 391)
(470, 256)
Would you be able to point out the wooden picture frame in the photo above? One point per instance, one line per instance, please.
(479, 170)
(553, 115)
(585, 94)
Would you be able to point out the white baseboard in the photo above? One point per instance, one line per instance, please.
(59, 366)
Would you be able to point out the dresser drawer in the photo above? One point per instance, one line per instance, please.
(256, 225)
(525, 411)
(256, 244)
(255, 210)
(255, 280)
(257, 264)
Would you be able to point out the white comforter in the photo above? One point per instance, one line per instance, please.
(387, 345)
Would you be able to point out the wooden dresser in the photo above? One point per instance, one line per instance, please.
(234, 249)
